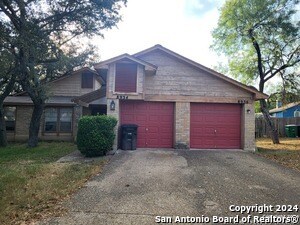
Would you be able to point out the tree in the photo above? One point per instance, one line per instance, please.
(7, 81)
(41, 31)
(262, 40)
(287, 92)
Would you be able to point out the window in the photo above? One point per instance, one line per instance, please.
(126, 75)
(58, 119)
(65, 119)
(10, 118)
(297, 113)
(86, 80)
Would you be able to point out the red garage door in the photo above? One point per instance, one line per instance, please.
(155, 121)
(215, 126)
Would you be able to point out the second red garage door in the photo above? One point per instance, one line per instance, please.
(215, 126)
(154, 119)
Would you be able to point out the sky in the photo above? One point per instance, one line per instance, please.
(183, 26)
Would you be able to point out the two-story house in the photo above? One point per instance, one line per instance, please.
(176, 102)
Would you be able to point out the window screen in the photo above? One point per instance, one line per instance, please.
(65, 119)
(10, 118)
(51, 119)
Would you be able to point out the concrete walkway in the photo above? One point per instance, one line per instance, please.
(137, 186)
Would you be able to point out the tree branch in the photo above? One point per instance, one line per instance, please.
(258, 52)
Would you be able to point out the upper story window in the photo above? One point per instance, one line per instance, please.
(10, 118)
(86, 80)
(126, 75)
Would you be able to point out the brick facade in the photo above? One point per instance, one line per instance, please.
(182, 125)
(248, 127)
(115, 113)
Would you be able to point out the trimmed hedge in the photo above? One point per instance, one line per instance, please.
(95, 135)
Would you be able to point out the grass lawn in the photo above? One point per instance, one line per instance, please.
(286, 153)
(32, 184)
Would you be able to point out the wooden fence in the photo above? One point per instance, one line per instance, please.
(262, 130)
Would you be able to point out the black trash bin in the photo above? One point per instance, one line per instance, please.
(129, 136)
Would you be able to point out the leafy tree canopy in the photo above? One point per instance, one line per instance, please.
(42, 39)
(252, 32)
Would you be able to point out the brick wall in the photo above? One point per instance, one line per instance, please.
(23, 117)
(182, 125)
(115, 113)
(248, 127)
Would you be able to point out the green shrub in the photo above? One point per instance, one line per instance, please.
(95, 135)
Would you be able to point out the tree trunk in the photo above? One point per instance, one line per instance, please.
(35, 124)
(3, 138)
(267, 117)
(265, 112)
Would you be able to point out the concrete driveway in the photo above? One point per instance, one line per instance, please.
(137, 186)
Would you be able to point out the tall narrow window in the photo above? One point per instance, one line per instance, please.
(86, 80)
(65, 119)
(10, 118)
(126, 76)
(51, 120)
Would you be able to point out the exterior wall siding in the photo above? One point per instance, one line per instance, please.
(177, 78)
(70, 86)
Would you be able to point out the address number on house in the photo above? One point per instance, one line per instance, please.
(243, 101)
(122, 96)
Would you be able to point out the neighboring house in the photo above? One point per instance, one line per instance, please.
(289, 110)
(176, 102)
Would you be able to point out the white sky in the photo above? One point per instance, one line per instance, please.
(183, 26)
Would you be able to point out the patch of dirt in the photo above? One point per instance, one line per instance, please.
(286, 144)
(287, 153)
(288, 159)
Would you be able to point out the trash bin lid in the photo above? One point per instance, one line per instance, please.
(129, 126)
(291, 125)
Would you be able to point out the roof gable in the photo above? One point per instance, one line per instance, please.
(84, 69)
(148, 66)
(258, 94)
(69, 74)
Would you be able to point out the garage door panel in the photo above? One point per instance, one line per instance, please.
(155, 121)
(140, 118)
(152, 129)
(166, 118)
(230, 143)
(128, 117)
(153, 118)
(215, 126)
(141, 141)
